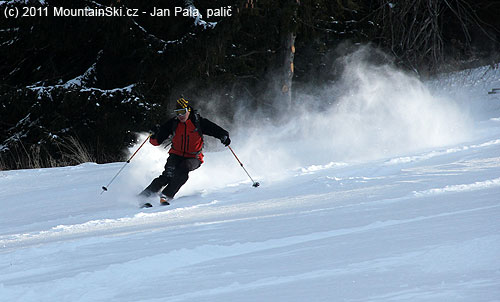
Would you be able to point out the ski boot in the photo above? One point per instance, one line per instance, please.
(165, 200)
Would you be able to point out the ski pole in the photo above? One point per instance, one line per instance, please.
(255, 184)
(105, 188)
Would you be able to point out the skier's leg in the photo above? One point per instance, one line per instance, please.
(163, 180)
(181, 176)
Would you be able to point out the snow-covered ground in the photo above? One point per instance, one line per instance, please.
(397, 199)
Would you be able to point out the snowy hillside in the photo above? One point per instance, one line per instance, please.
(392, 194)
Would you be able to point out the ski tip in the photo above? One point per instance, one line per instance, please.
(146, 205)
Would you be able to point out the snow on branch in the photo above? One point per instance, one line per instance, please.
(163, 44)
(193, 13)
(81, 83)
(88, 77)
(198, 17)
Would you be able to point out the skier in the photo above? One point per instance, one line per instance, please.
(185, 155)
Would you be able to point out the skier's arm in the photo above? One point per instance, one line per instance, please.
(163, 133)
(212, 129)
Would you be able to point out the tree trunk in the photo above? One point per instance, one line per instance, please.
(287, 38)
(287, 72)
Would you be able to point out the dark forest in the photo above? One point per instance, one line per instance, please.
(79, 88)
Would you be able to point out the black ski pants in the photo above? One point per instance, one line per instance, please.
(174, 177)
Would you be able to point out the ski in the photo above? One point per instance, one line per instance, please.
(149, 205)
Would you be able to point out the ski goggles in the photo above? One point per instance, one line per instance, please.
(181, 111)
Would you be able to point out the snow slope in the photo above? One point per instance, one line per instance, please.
(418, 223)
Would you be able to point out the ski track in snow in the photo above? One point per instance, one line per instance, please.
(432, 154)
(214, 212)
(176, 219)
(462, 188)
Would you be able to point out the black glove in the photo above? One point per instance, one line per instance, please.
(155, 129)
(225, 140)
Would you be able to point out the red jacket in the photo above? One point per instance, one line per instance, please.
(187, 140)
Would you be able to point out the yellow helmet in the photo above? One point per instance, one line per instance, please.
(182, 103)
